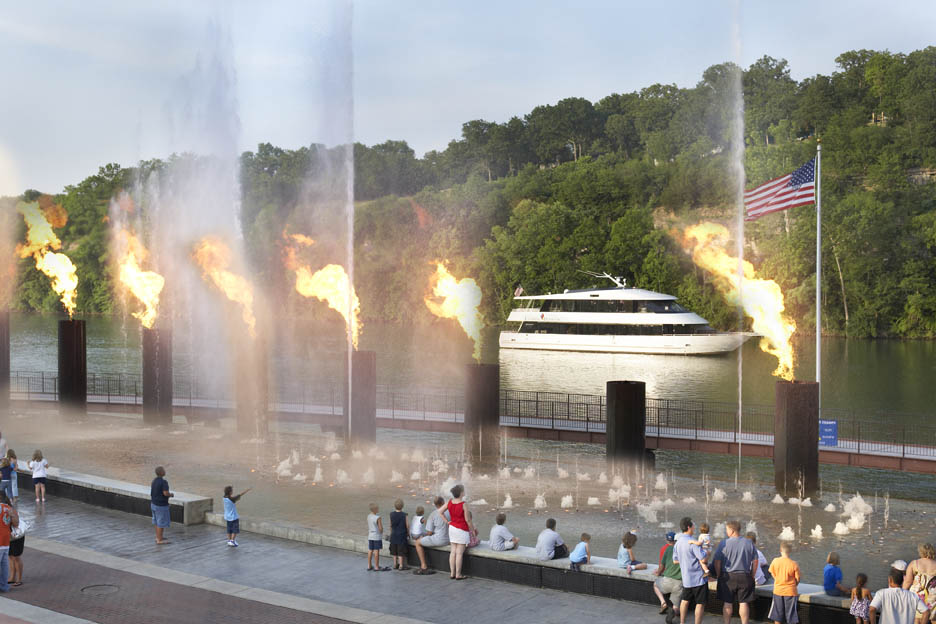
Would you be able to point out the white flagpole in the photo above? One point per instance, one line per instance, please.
(819, 270)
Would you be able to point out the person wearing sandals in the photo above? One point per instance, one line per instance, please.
(460, 530)
(398, 540)
(8, 519)
(436, 534)
(17, 544)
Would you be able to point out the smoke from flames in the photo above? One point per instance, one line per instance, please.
(40, 243)
(146, 286)
(457, 299)
(214, 258)
(329, 284)
(761, 300)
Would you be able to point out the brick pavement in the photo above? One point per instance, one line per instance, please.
(110, 596)
(281, 572)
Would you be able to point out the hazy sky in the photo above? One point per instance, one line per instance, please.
(108, 81)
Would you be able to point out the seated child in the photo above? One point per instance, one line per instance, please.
(418, 526)
(581, 553)
(625, 555)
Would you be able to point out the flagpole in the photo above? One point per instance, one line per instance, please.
(819, 269)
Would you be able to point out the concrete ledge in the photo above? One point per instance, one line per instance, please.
(120, 495)
(602, 577)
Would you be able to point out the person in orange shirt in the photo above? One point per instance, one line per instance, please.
(786, 574)
(8, 519)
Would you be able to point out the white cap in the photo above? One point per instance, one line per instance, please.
(900, 564)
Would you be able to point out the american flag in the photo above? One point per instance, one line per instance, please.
(789, 191)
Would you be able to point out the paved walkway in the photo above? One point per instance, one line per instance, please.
(102, 566)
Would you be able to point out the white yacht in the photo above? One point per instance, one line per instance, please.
(617, 319)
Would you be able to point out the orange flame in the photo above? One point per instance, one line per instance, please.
(40, 241)
(146, 286)
(329, 284)
(214, 258)
(460, 300)
(302, 239)
(761, 299)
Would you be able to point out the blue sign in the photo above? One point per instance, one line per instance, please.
(828, 433)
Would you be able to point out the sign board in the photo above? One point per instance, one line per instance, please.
(828, 433)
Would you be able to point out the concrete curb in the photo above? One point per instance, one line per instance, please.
(30, 613)
(297, 603)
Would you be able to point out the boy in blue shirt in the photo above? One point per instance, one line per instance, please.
(581, 553)
(230, 513)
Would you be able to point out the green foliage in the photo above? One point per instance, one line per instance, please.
(603, 186)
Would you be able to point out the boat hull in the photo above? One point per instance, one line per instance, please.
(690, 344)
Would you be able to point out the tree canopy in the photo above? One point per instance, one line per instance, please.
(603, 186)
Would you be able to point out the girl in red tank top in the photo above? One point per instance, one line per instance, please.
(457, 513)
(460, 530)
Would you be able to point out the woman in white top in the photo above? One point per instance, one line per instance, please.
(38, 465)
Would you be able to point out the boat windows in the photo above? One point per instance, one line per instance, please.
(597, 329)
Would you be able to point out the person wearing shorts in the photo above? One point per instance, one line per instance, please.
(159, 504)
(736, 563)
(436, 535)
(693, 569)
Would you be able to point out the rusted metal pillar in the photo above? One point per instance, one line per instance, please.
(482, 413)
(626, 423)
(361, 427)
(72, 366)
(4, 362)
(157, 376)
(796, 438)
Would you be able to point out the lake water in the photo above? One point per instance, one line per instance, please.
(861, 375)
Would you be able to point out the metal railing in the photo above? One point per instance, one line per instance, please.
(887, 433)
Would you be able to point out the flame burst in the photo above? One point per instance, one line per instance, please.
(460, 300)
(329, 284)
(214, 258)
(146, 286)
(40, 243)
(761, 299)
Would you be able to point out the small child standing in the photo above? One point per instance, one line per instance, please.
(398, 542)
(861, 600)
(625, 555)
(230, 513)
(786, 575)
(374, 540)
(39, 467)
(418, 526)
(581, 553)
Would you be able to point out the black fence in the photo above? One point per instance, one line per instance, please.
(877, 433)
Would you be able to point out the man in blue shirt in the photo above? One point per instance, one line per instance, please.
(159, 503)
(691, 560)
(735, 562)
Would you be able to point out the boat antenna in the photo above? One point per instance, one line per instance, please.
(620, 282)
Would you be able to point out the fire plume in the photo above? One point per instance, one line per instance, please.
(146, 286)
(214, 258)
(761, 299)
(41, 242)
(329, 284)
(457, 299)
